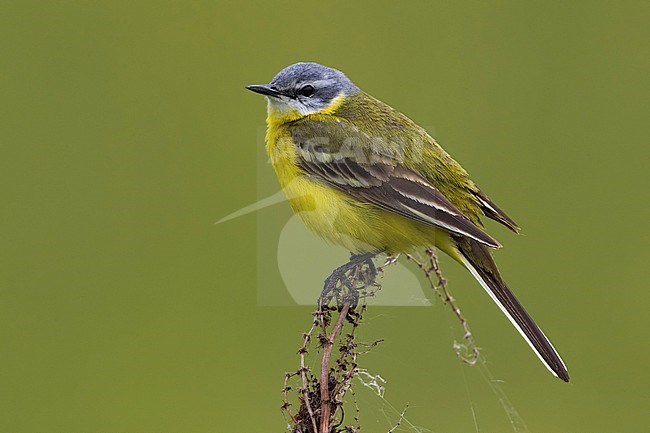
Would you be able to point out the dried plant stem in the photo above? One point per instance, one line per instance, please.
(321, 396)
(303, 375)
(469, 353)
(325, 400)
(399, 421)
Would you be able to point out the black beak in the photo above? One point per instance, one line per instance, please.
(264, 89)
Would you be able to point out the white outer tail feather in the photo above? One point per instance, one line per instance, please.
(485, 286)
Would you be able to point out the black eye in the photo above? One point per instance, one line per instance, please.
(307, 90)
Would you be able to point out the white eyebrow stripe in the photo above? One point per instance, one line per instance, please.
(321, 83)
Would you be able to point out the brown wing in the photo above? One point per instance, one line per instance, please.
(393, 188)
(493, 211)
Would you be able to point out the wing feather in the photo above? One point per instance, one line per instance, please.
(398, 190)
(491, 210)
(338, 155)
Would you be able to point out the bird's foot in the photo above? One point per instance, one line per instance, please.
(349, 281)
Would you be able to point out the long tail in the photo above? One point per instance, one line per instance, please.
(479, 262)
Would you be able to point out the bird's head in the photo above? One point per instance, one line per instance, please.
(305, 88)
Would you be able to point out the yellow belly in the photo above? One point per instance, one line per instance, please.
(357, 226)
(341, 219)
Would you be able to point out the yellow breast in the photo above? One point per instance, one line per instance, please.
(336, 216)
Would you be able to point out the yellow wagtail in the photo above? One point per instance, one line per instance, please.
(363, 175)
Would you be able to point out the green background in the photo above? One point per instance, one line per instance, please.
(125, 133)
